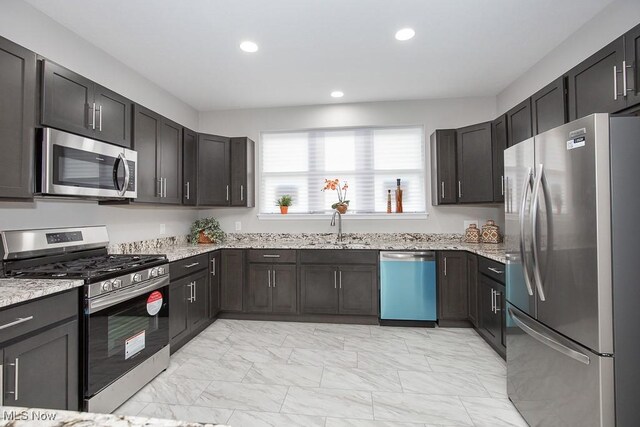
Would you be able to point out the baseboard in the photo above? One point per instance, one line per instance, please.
(409, 323)
(314, 318)
(455, 324)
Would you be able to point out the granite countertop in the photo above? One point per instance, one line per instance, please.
(23, 417)
(15, 290)
(177, 248)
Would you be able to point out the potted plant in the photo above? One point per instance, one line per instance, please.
(284, 202)
(206, 230)
(334, 184)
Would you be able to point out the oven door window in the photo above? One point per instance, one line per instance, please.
(122, 336)
(79, 168)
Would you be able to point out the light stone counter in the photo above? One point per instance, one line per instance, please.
(16, 290)
(23, 417)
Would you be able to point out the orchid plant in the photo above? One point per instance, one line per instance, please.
(334, 184)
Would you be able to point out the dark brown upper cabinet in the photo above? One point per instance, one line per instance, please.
(549, 106)
(519, 123)
(475, 164)
(75, 104)
(632, 69)
(595, 85)
(189, 167)
(17, 119)
(498, 145)
(213, 170)
(443, 167)
(242, 172)
(158, 142)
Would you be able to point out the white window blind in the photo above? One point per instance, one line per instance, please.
(370, 159)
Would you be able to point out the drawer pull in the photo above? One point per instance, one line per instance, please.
(495, 270)
(16, 322)
(270, 256)
(192, 265)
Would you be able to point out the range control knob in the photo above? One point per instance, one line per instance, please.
(154, 272)
(136, 278)
(117, 283)
(106, 286)
(161, 270)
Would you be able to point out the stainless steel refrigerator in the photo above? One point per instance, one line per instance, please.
(572, 214)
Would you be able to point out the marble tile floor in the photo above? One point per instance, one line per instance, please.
(253, 373)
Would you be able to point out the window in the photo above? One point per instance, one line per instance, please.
(369, 159)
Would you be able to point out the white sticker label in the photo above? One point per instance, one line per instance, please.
(154, 303)
(134, 345)
(576, 143)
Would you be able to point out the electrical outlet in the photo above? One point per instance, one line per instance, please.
(163, 229)
(471, 221)
(238, 225)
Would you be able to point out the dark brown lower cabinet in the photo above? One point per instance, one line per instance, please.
(188, 307)
(452, 286)
(42, 371)
(271, 288)
(472, 285)
(318, 289)
(232, 264)
(492, 303)
(214, 283)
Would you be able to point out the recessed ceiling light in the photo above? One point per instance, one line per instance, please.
(248, 46)
(405, 34)
(337, 94)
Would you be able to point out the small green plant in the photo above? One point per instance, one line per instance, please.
(284, 200)
(210, 227)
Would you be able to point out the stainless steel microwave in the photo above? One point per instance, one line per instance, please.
(72, 165)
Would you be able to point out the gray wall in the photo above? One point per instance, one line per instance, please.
(432, 114)
(30, 28)
(613, 21)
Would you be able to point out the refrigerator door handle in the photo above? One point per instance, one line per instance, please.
(523, 205)
(534, 219)
(547, 340)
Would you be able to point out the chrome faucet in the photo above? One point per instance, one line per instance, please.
(333, 223)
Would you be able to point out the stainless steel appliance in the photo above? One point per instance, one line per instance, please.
(408, 287)
(572, 274)
(72, 165)
(126, 305)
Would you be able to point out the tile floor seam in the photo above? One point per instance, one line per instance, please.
(467, 411)
(283, 400)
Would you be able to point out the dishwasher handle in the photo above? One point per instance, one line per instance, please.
(408, 256)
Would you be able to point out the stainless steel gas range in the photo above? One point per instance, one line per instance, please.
(125, 321)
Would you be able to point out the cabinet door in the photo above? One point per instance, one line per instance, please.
(632, 57)
(44, 369)
(189, 167)
(67, 100)
(284, 294)
(17, 119)
(490, 325)
(214, 284)
(519, 123)
(475, 163)
(146, 135)
(232, 280)
(213, 170)
(472, 286)
(113, 117)
(549, 107)
(452, 285)
(199, 302)
(259, 284)
(179, 293)
(498, 145)
(319, 289)
(443, 167)
(238, 169)
(170, 161)
(358, 289)
(592, 85)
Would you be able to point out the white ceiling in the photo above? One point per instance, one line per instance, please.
(310, 47)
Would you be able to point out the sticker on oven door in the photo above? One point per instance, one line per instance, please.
(134, 345)
(576, 142)
(154, 303)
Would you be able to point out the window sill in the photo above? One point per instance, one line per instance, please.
(347, 216)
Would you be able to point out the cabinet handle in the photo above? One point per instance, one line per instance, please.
(445, 266)
(93, 117)
(442, 190)
(495, 270)
(271, 256)
(15, 384)
(160, 189)
(615, 83)
(274, 278)
(188, 190)
(227, 193)
(502, 184)
(498, 308)
(241, 192)
(1, 384)
(190, 291)
(16, 322)
(100, 118)
(269, 278)
(195, 289)
(624, 78)
(335, 279)
(213, 267)
(165, 187)
(340, 278)
(460, 189)
(191, 265)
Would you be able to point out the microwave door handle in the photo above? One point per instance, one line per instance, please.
(127, 174)
(107, 301)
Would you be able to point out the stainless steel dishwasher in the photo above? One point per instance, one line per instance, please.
(408, 287)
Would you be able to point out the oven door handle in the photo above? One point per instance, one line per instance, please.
(107, 301)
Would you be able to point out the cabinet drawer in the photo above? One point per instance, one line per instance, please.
(43, 312)
(189, 265)
(339, 256)
(491, 268)
(272, 256)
